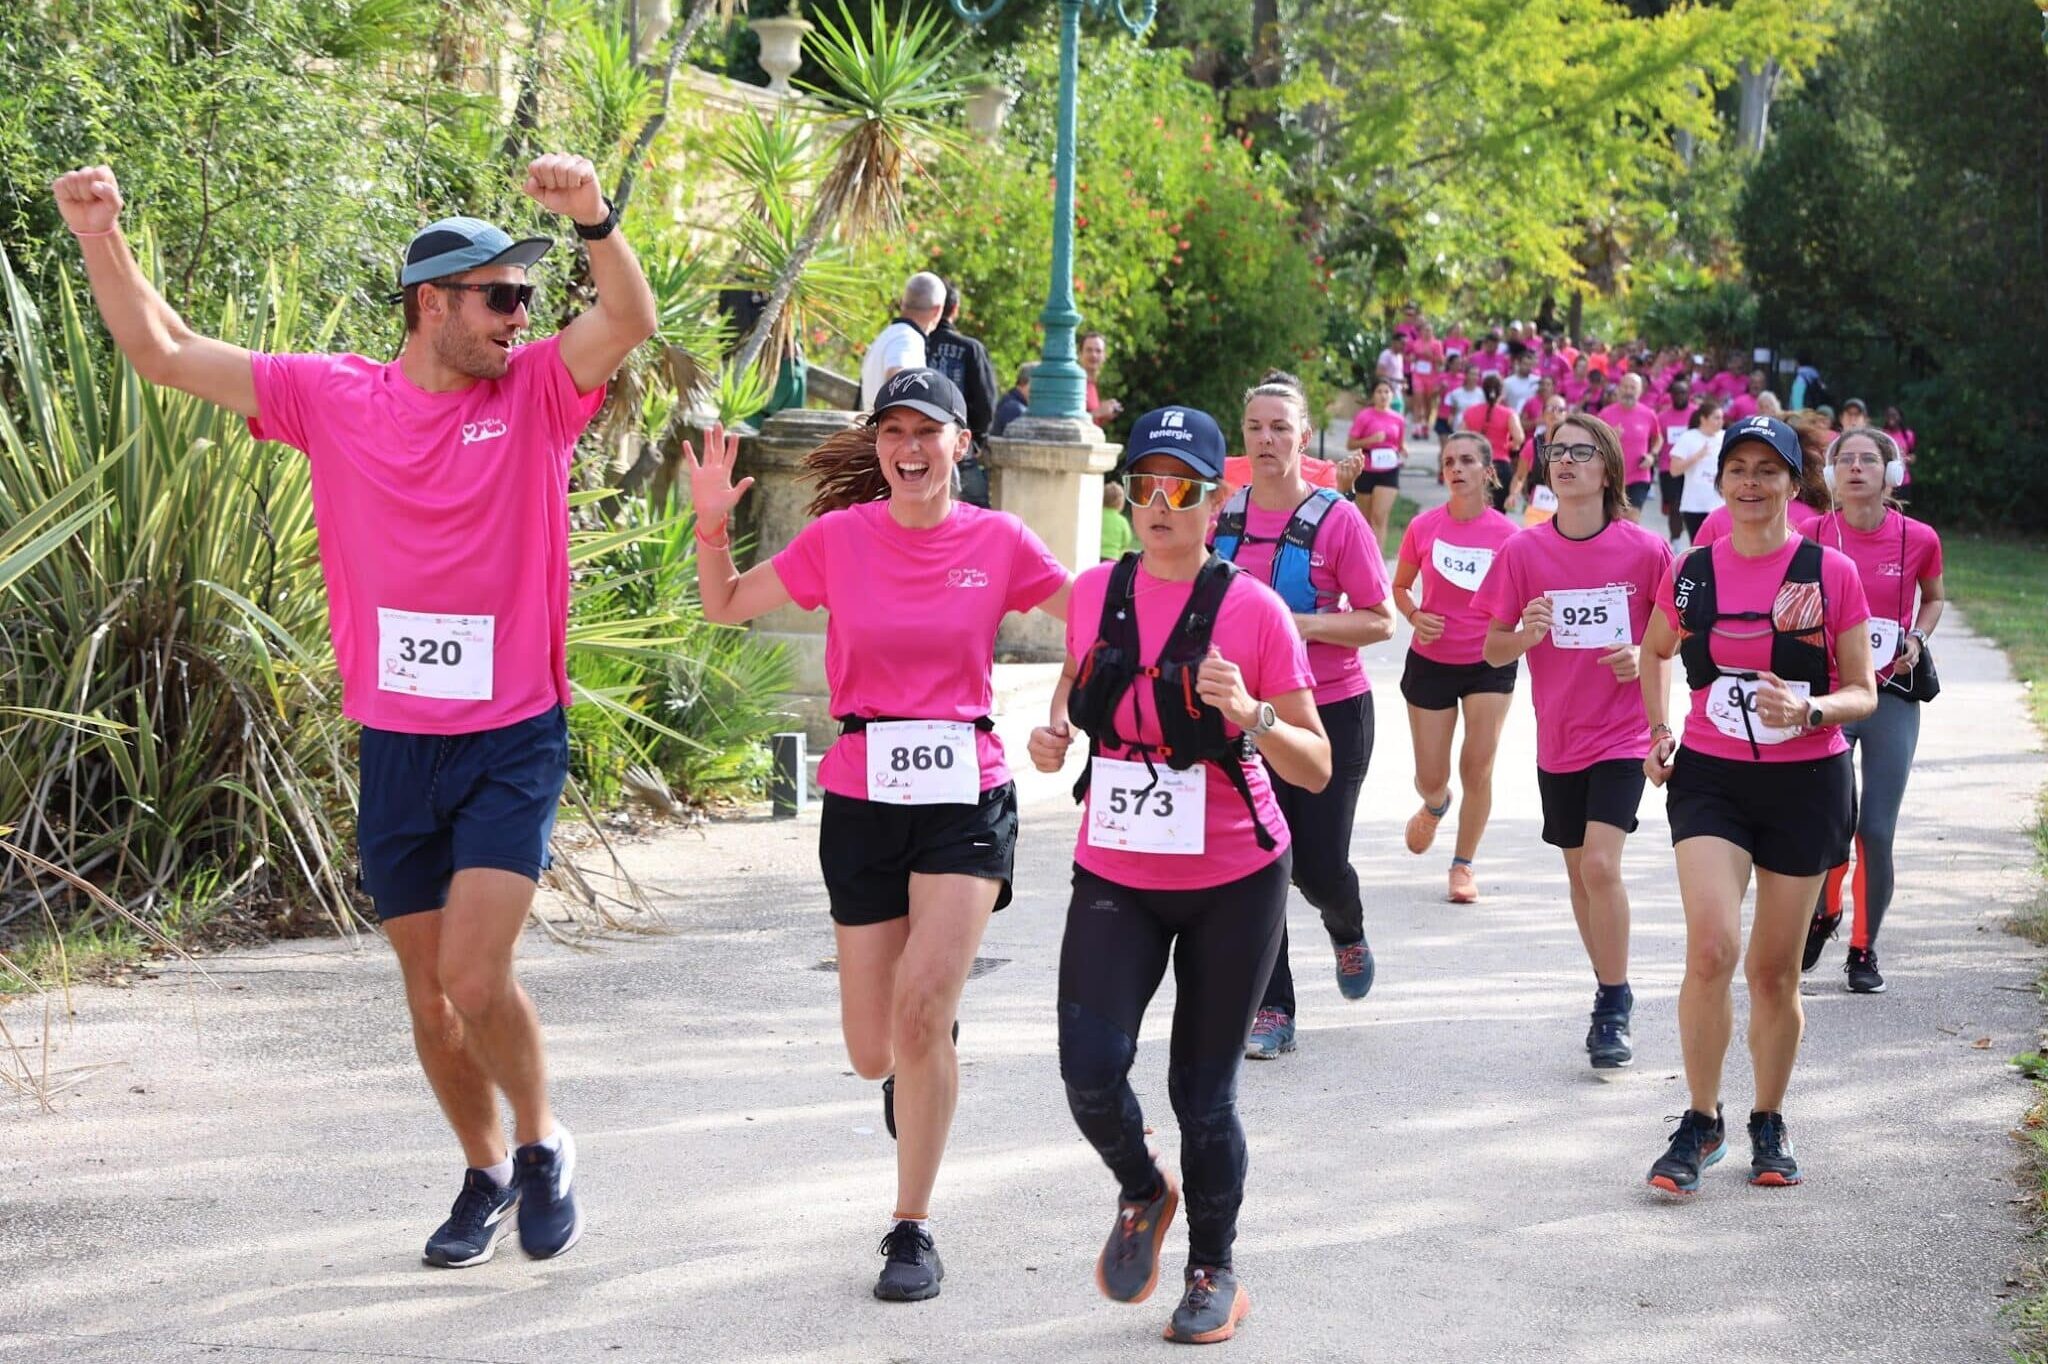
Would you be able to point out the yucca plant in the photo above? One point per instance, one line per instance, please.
(167, 663)
(886, 93)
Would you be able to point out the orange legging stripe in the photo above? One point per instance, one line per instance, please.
(1859, 891)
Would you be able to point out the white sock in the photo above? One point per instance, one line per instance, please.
(501, 1173)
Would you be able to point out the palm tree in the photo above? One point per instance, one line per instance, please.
(883, 93)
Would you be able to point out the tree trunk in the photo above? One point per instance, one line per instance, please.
(1759, 88)
(622, 194)
(785, 285)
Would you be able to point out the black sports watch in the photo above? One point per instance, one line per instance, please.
(597, 232)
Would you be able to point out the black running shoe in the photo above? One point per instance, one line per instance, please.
(1211, 1306)
(549, 1220)
(889, 1091)
(1128, 1268)
(1862, 971)
(1699, 1142)
(1771, 1162)
(481, 1217)
(911, 1270)
(1608, 1043)
(1817, 934)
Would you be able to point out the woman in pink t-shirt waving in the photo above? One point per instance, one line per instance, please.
(1573, 595)
(1450, 550)
(919, 831)
(1184, 672)
(1770, 627)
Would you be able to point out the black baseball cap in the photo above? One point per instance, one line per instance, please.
(1766, 431)
(921, 390)
(1189, 434)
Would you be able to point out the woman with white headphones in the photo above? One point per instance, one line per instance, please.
(1894, 555)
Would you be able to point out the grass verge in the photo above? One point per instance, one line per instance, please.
(2001, 585)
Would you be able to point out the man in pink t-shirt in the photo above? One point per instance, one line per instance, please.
(1640, 439)
(1743, 405)
(440, 490)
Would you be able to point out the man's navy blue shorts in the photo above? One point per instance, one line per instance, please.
(435, 804)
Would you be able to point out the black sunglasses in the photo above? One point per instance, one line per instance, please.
(499, 298)
(1577, 454)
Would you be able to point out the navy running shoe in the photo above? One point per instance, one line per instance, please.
(1212, 1305)
(1354, 969)
(481, 1217)
(1699, 1142)
(1608, 1042)
(549, 1220)
(911, 1268)
(1771, 1162)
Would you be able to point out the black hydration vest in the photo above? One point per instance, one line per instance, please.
(1191, 730)
(1797, 655)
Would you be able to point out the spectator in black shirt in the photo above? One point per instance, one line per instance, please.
(965, 361)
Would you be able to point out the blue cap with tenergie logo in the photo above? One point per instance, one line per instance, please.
(1766, 431)
(1189, 434)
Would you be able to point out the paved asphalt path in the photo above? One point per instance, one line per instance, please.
(1436, 1175)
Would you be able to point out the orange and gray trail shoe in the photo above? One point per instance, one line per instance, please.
(1211, 1306)
(1771, 1162)
(911, 1268)
(1700, 1141)
(1128, 1269)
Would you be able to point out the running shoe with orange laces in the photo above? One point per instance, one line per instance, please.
(1128, 1268)
(1211, 1306)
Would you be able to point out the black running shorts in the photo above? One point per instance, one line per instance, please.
(1605, 793)
(1383, 478)
(1795, 819)
(1638, 495)
(1429, 685)
(868, 850)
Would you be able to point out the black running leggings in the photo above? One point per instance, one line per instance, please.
(1320, 822)
(1111, 961)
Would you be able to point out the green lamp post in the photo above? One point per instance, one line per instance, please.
(1059, 387)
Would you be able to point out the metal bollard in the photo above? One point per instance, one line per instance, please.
(789, 786)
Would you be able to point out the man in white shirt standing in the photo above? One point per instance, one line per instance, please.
(901, 343)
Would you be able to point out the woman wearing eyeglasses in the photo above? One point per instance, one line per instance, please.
(1180, 669)
(1316, 550)
(1451, 550)
(1896, 557)
(1574, 595)
(1770, 628)
(919, 832)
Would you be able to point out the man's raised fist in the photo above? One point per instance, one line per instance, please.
(89, 199)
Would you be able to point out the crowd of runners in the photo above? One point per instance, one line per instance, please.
(1213, 684)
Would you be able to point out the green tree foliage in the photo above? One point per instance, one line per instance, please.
(1479, 150)
(1187, 250)
(1903, 231)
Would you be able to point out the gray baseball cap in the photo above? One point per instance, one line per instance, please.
(452, 245)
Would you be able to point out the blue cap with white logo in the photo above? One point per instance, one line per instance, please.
(453, 245)
(1189, 434)
(1766, 431)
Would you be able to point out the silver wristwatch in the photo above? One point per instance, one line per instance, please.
(1268, 717)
